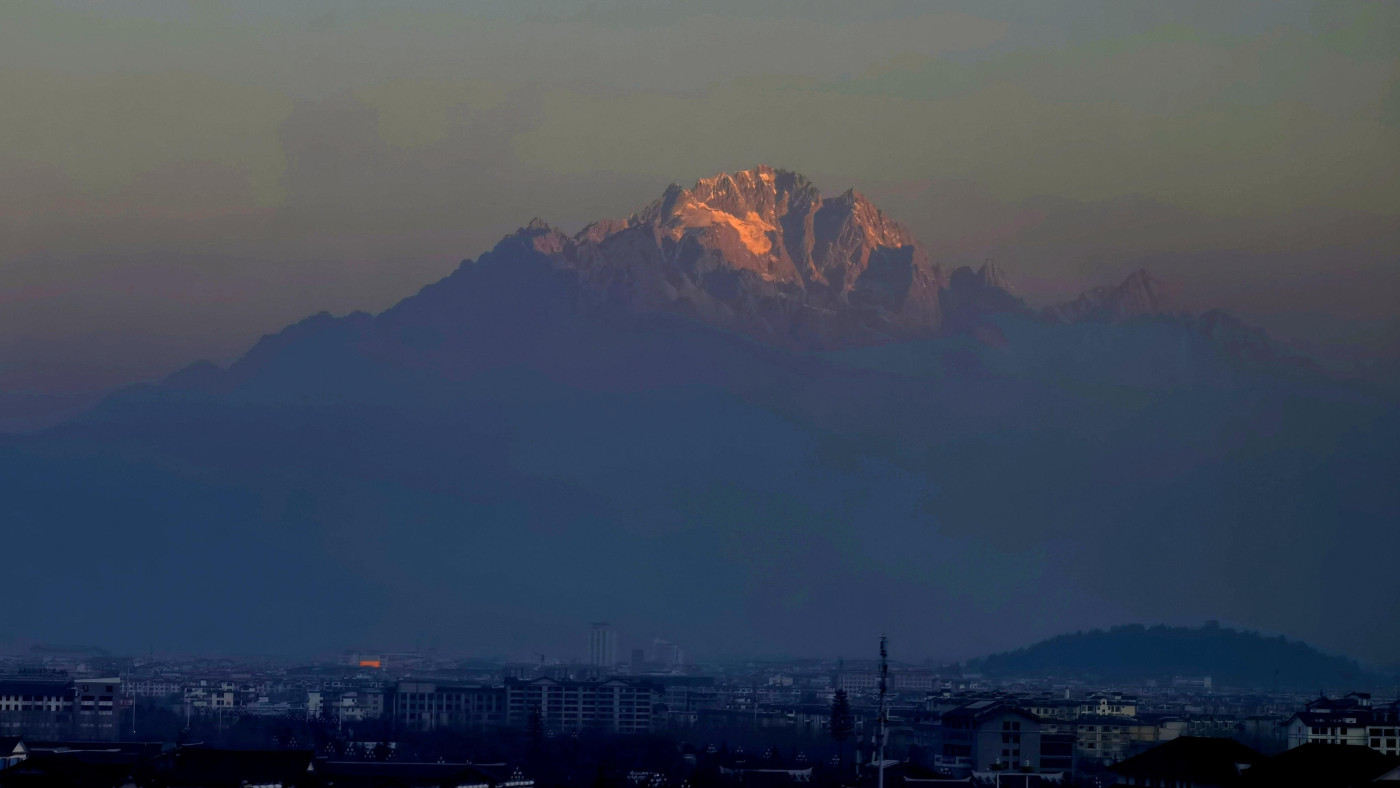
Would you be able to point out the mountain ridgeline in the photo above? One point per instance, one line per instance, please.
(748, 416)
(1232, 658)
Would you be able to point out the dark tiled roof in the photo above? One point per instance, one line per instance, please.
(61, 771)
(48, 687)
(1197, 759)
(1321, 766)
(197, 766)
(982, 709)
(364, 774)
(146, 749)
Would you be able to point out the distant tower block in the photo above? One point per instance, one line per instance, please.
(667, 654)
(602, 645)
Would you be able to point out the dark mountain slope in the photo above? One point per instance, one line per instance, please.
(1134, 653)
(517, 450)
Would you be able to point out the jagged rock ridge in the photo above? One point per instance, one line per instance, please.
(758, 251)
(1140, 295)
(761, 252)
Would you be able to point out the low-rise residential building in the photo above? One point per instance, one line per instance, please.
(988, 734)
(1349, 720)
(12, 751)
(1112, 704)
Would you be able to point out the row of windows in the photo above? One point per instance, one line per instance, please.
(1331, 731)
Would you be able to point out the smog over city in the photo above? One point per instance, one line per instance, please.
(668, 394)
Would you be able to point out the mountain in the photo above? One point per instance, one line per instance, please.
(760, 252)
(1232, 658)
(973, 295)
(748, 417)
(1140, 295)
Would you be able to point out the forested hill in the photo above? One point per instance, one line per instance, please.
(1230, 657)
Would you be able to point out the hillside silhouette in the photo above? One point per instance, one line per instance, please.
(1135, 653)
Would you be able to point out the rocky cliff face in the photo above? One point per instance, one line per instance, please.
(760, 252)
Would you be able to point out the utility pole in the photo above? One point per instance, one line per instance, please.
(882, 733)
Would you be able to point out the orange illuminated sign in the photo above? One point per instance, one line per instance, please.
(369, 663)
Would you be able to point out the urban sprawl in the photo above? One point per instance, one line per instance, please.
(652, 719)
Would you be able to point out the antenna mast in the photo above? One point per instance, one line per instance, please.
(882, 732)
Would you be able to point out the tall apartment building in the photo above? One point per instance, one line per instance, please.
(602, 645)
(618, 705)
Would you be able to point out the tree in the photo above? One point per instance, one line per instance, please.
(534, 726)
(841, 724)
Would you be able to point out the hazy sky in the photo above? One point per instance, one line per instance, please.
(178, 178)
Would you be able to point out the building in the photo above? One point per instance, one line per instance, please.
(1057, 752)
(868, 681)
(1189, 761)
(988, 734)
(685, 694)
(12, 751)
(56, 708)
(1324, 766)
(154, 688)
(36, 708)
(1381, 732)
(1351, 720)
(667, 654)
(1109, 739)
(200, 767)
(349, 705)
(1053, 708)
(97, 708)
(1112, 704)
(618, 705)
(602, 645)
(420, 775)
(364, 659)
(431, 705)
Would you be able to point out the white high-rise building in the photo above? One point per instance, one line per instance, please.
(602, 645)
